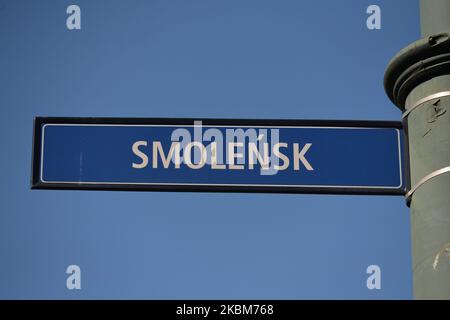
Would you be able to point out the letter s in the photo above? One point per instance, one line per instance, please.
(140, 154)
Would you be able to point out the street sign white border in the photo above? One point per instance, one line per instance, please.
(216, 184)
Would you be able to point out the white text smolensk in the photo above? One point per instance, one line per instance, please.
(230, 156)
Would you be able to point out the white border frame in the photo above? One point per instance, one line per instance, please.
(216, 184)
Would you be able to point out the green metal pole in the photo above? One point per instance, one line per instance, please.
(418, 82)
(434, 16)
(429, 144)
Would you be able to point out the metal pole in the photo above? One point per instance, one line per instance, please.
(434, 16)
(418, 82)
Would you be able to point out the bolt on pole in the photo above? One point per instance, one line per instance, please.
(417, 80)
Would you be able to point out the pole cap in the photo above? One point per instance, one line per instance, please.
(419, 62)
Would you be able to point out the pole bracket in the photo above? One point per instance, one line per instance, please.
(422, 102)
(425, 179)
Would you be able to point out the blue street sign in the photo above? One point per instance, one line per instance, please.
(219, 155)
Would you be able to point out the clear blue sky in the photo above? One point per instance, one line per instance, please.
(224, 59)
